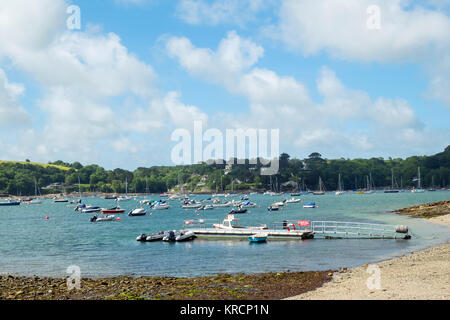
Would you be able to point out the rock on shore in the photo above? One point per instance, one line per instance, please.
(427, 210)
(220, 287)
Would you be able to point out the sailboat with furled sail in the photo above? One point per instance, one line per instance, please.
(35, 200)
(321, 190)
(126, 197)
(419, 183)
(340, 189)
(392, 190)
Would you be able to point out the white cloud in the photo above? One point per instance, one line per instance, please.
(90, 63)
(346, 119)
(231, 12)
(410, 32)
(11, 113)
(166, 112)
(339, 101)
(30, 25)
(233, 56)
(393, 113)
(340, 28)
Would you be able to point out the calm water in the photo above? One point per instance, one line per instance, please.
(32, 245)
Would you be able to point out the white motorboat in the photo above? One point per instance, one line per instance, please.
(137, 212)
(222, 205)
(191, 206)
(89, 209)
(236, 203)
(125, 198)
(231, 223)
(247, 204)
(279, 204)
(101, 219)
(160, 206)
(293, 200)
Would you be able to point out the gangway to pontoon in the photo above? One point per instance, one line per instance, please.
(342, 229)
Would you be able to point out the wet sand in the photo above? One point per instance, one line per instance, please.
(423, 275)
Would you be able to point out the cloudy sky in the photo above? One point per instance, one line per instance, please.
(346, 78)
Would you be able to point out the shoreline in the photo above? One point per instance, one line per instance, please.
(420, 275)
(264, 286)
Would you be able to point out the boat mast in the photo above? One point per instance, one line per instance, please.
(79, 188)
(419, 181)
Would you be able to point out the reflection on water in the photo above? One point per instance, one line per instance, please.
(30, 244)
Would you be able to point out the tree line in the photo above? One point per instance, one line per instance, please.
(20, 178)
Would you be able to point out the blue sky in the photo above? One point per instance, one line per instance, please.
(114, 91)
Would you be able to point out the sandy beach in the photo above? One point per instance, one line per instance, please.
(423, 275)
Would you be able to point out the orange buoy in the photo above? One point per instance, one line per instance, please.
(118, 219)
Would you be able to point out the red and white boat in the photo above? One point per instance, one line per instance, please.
(113, 210)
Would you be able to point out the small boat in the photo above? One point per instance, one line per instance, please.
(273, 208)
(101, 219)
(321, 190)
(258, 237)
(160, 206)
(10, 203)
(419, 183)
(222, 205)
(237, 211)
(173, 236)
(185, 236)
(191, 206)
(137, 212)
(279, 203)
(113, 210)
(152, 237)
(231, 223)
(297, 194)
(247, 204)
(293, 200)
(89, 209)
(310, 205)
(126, 198)
(170, 236)
(59, 200)
(113, 197)
(80, 207)
(206, 207)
